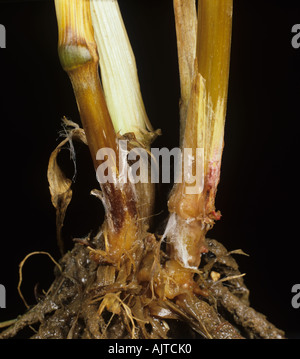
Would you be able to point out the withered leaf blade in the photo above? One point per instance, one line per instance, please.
(59, 184)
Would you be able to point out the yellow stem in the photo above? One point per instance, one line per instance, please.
(79, 58)
(193, 214)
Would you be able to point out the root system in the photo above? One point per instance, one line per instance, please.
(88, 300)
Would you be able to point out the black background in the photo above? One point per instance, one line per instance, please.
(258, 194)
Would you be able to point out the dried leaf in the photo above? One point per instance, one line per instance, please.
(59, 184)
(186, 33)
(118, 70)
